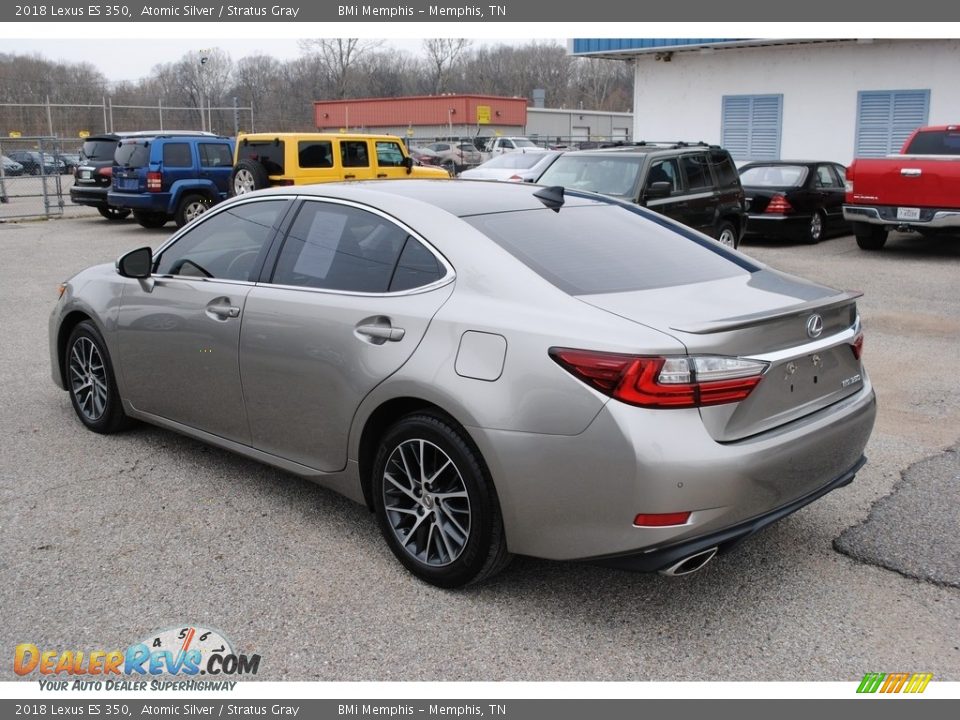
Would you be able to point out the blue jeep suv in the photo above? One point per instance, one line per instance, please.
(168, 177)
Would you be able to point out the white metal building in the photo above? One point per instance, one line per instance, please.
(790, 99)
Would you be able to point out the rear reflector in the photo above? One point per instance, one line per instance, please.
(661, 382)
(661, 519)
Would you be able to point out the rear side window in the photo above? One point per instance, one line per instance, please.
(312, 154)
(269, 153)
(215, 155)
(727, 175)
(697, 170)
(935, 142)
(605, 249)
(177, 155)
(337, 247)
(416, 267)
(132, 155)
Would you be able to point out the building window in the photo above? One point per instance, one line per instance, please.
(750, 126)
(885, 119)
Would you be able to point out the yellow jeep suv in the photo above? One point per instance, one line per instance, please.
(265, 159)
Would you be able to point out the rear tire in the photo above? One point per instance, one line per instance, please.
(727, 234)
(150, 219)
(111, 213)
(816, 228)
(91, 382)
(190, 208)
(447, 531)
(870, 237)
(247, 176)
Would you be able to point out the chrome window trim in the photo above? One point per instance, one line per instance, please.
(448, 277)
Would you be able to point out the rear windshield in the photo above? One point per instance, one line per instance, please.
(601, 173)
(267, 152)
(99, 149)
(935, 142)
(601, 248)
(773, 176)
(515, 161)
(132, 155)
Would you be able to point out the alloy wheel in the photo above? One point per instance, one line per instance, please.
(426, 503)
(243, 182)
(88, 379)
(727, 238)
(816, 227)
(193, 210)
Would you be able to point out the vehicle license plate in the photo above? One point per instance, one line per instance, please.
(908, 213)
(128, 184)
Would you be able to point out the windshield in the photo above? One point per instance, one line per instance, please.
(524, 143)
(601, 173)
(773, 176)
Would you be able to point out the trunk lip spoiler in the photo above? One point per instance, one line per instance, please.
(741, 321)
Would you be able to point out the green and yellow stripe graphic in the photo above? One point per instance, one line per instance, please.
(894, 682)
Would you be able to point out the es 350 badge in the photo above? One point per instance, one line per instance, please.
(186, 650)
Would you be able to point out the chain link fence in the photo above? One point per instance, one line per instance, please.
(34, 174)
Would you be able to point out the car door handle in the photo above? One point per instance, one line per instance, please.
(223, 311)
(381, 175)
(349, 177)
(381, 332)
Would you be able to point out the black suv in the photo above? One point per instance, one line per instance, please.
(693, 183)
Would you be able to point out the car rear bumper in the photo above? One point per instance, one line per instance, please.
(778, 225)
(90, 196)
(576, 497)
(933, 218)
(146, 202)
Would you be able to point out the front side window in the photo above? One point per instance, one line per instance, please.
(225, 246)
(337, 247)
(389, 154)
(177, 155)
(665, 171)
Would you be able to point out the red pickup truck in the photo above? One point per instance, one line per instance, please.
(919, 189)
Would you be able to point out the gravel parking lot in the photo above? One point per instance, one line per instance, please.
(106, 539)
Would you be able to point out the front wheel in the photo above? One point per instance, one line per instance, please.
(150, 219)
(727, 234)
(91, 382)
(435, 503)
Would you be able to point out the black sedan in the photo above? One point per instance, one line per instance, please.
(796, 200)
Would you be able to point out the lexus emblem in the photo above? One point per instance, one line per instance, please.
(814, 326)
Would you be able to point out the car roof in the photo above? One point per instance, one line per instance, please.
(314, 136)
(458, 197)
(647, 149)
(777, 163)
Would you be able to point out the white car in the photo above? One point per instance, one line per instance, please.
(521, 166)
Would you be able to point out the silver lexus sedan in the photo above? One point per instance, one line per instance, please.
(492, 368)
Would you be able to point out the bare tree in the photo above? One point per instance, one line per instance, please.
(443, 54)
(338, 57)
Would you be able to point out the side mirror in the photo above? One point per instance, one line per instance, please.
(658, 190)
(136, 263)
(408, 164)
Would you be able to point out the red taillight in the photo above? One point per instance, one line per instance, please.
(105, 171)
(660, 382)
(780, 205)
(858, 346)
(154, 181)
(661, 519)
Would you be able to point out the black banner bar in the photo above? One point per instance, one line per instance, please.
(485, 11)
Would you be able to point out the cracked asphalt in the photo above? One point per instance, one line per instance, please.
(106, 539)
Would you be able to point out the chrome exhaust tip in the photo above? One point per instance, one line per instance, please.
(690, 564)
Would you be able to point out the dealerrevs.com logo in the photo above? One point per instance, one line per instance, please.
(188, 650)
(911, 683)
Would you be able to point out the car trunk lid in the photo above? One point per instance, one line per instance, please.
(805, 332)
